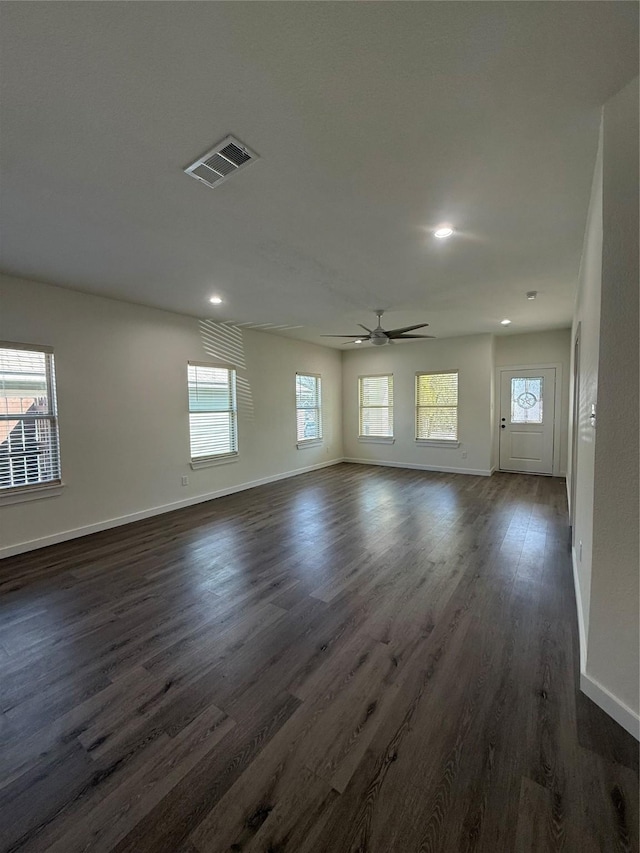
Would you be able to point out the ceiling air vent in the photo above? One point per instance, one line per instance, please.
(223, 161)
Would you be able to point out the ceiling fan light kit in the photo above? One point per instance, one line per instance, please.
(380, 337)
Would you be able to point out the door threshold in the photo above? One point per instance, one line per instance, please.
(532, 473)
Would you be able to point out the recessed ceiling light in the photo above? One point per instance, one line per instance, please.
(443, 232)
(216, 300)
(505, 322)
(531, 294)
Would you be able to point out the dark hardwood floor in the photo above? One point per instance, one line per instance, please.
(357, 659)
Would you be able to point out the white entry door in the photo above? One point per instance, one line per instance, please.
(527, 404)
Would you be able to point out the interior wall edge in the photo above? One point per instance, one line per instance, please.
(582, 636)
(590, 686)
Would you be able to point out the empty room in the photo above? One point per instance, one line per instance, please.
(319, 446)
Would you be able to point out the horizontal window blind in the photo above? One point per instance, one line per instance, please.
(212, 411)
(437, 406)
(308, 407)
(29, 451)
(375, 400)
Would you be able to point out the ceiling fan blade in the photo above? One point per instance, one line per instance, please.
(355, 335)
(409, 337)
(395, 332)
(364, 327)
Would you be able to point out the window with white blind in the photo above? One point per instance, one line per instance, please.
(213, 414)
(29, 452)
(437, 407)
(308, 408)
(375, 402)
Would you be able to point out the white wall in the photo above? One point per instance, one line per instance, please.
(614, 635)
(477, 358)
(123, 417)
(122, 397)
(587, 318)
(606, 511)
(471, 355)
(493, 411)
(552, 347)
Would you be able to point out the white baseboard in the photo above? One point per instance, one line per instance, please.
(609, 703)
(478, 472)
(65, 535)
(592, 688)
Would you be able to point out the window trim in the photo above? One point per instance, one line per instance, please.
(210, 461)
(216, 458)
(29, 347)
(376, 439)
(22, 494)
(43, 488)
(436, 442)
(316, 441)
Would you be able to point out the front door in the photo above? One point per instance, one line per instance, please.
(527, 404)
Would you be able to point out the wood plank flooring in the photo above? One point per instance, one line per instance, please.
(358, 659)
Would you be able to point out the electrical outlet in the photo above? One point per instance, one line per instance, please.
(580, 551)
(185, 481)
(464, 454)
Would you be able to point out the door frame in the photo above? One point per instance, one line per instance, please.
(558, 413)
(575, 403)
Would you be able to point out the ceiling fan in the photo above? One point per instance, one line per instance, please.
(379, 336)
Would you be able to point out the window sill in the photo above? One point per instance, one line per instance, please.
(210, 462)
(34, 493)
(376, 439)
(310, 442)
(433, 442)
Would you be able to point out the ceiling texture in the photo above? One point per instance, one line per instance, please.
(374, 123)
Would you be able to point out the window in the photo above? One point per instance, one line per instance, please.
(375, 398)
(29, 453)
(526, 400)
(437, 406)
(213, 413)
(308, 408)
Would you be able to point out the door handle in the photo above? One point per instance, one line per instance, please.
(503, 426)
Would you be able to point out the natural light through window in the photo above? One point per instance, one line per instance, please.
(213, 415)
(437, 406)
(308, 408)
(526, 400)
(29, 453)
(375, 398)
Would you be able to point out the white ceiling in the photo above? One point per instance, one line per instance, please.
(374, 123)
